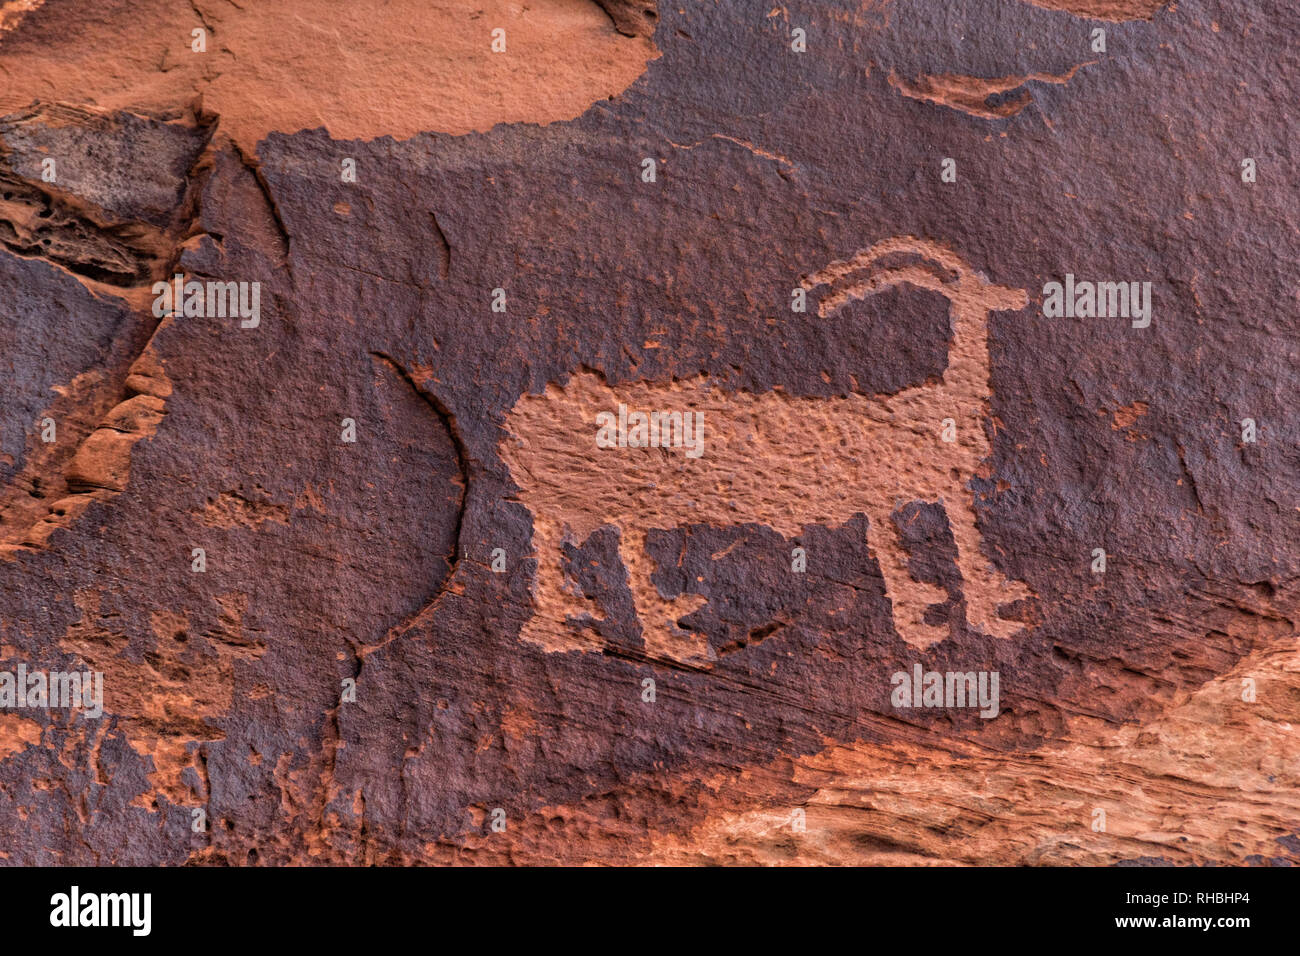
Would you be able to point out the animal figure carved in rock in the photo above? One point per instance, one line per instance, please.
(770, 459)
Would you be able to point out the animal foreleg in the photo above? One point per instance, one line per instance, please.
(983, 586)
(910, 598)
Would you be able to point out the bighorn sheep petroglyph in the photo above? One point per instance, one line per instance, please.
(771, 459)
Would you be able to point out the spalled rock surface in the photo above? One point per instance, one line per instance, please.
(473, 607)
(367, 70)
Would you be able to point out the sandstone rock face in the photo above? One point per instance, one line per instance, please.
(377, 567)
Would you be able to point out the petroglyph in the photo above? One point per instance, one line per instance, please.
(835, 457)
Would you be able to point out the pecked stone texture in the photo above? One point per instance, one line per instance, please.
(498, 590)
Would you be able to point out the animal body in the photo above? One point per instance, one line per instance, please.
(771, 459)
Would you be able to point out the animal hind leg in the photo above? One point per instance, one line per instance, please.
(554, 601)
(659, 615)
(910, 598)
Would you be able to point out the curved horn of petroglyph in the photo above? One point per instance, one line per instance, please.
(920, 262)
